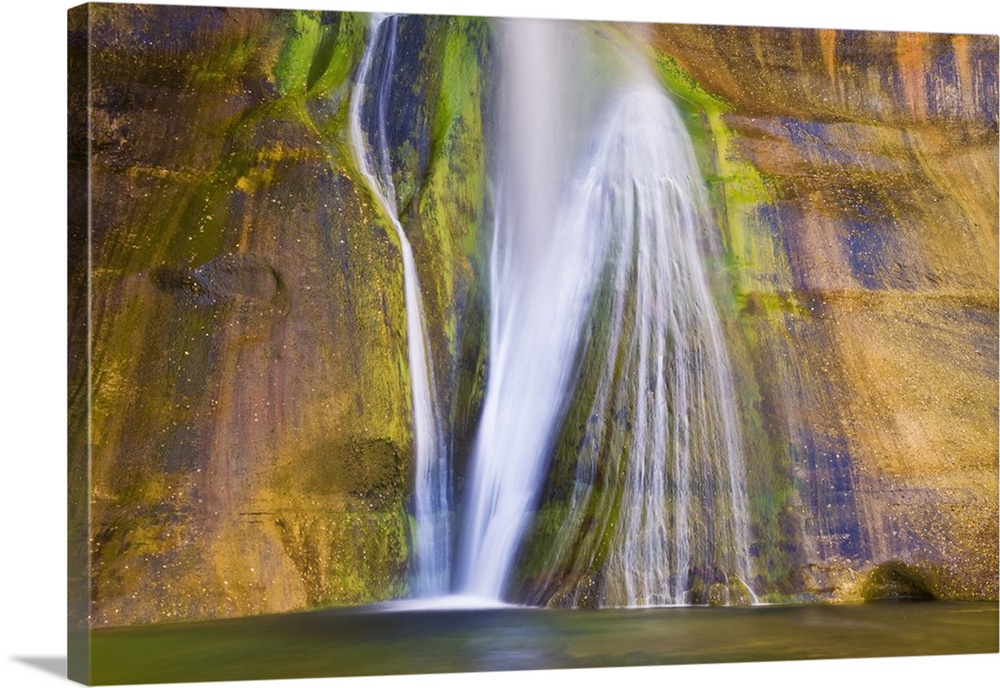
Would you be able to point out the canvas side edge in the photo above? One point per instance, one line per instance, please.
(78, 344)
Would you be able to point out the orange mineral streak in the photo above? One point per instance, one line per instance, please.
(910, 55)
(960, 44)
(828, 47)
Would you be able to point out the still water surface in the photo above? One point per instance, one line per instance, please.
(378, 640)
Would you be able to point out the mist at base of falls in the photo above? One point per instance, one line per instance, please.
(596, 265)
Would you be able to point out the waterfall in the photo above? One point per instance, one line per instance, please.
(669, 427)
(601, 229)
(370, 101)
(542, 266)
(599, 300)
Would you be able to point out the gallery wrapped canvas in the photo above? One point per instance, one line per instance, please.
(409, 343)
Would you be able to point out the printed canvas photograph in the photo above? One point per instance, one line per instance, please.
(410, 343)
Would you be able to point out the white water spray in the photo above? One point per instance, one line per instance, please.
(371, 149)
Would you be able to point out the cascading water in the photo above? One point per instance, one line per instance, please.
(668, 434)
(598, 297)
(619, 241)
(432, 480)
(542, 271)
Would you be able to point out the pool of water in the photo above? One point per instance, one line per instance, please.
(397, 640)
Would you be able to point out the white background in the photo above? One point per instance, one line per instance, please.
(32, 299)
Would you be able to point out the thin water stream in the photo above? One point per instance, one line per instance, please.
(369, 102)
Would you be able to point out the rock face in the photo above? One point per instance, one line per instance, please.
(864, 260)
(249, 436)
(240, 436)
